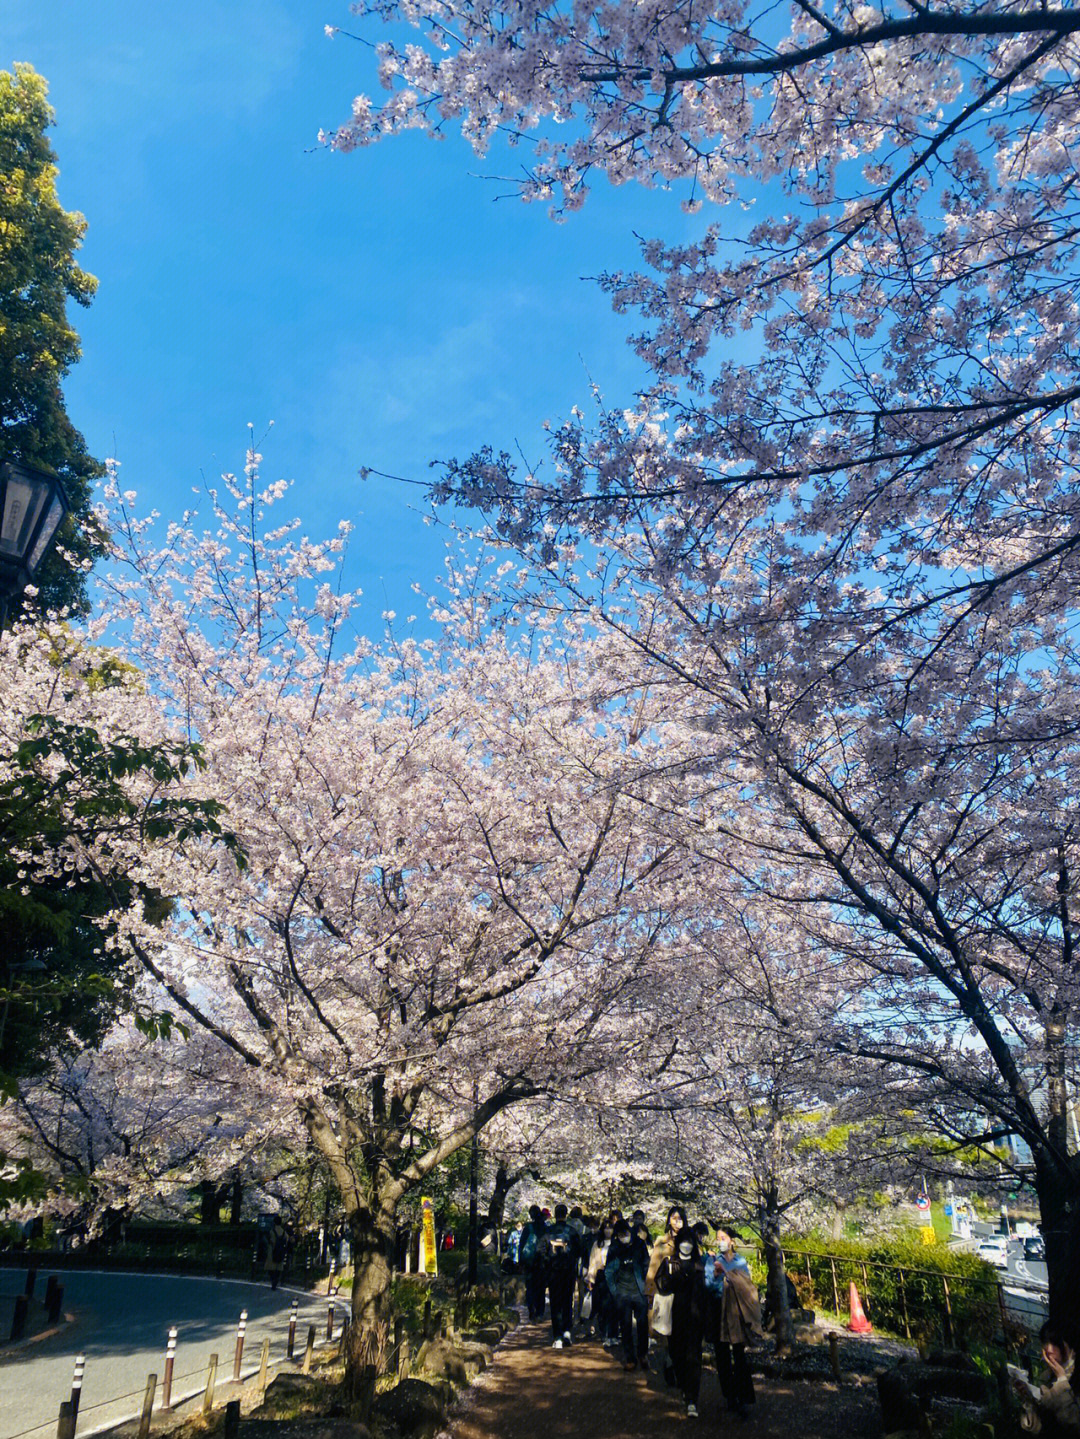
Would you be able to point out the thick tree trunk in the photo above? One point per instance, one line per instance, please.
(368, 1344)
(236, 1200)
(776, 1291)
(1059, 1208)
(504, 1182)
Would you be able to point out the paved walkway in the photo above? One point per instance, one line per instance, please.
(536, 1392)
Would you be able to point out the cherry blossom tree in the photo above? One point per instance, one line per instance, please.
(446, 887)
(844, 515)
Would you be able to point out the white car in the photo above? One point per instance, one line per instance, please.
(995, 1252)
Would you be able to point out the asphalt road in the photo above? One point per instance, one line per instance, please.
(121, 1323)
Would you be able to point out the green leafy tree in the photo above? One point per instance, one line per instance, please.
(38, 275)
(69, 799)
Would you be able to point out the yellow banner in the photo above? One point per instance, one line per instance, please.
(431, 1264)
(928, 1235)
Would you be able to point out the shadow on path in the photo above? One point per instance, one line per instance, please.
(536, 1392)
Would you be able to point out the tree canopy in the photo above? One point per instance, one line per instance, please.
(38, 345)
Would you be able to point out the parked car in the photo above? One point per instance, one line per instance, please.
(994, 1251)
(1035, 1247)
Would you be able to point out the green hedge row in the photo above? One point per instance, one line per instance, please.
(926, 1292)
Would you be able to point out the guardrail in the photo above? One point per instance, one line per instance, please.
(925, 1305)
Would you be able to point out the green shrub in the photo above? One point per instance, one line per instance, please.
(905, 1286)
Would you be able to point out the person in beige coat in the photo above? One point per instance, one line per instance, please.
(677, 1225)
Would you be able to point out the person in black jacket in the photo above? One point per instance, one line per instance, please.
(529, 1260)
(627, 1263)
(559, 1253)
(683, 1277)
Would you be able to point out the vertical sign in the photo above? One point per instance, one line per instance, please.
(431, 1265)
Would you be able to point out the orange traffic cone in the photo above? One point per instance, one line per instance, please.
(858, 1323)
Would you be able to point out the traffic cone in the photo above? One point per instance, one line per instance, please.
(858, 1323)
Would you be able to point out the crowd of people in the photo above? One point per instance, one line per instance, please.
(610, 1280)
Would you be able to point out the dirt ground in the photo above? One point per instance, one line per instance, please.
(535, 1392)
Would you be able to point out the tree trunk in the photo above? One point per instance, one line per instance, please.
(209, 1203)
(1059, 1210)
(776, 1291)
(504, 1182)
(236, 1200)
(368, 1343)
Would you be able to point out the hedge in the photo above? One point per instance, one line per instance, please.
(925, 1292)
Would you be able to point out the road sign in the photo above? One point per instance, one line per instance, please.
(948, 1210)
(923, 1203)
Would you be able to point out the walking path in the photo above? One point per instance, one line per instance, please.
(536, 1392)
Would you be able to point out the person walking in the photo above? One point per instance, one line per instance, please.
(277, 1245)
(625, 1272)
(683, 1278)
(675, 1227)
(604, 1318)
(559, 1252)
(737, 1319)
(529, 1259)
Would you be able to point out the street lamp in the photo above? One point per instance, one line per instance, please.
(32, 507)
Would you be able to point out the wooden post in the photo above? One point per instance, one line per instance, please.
(232, 1419)
(865, 1282)
(835, 1292)
(31, 1280)
(903, 1301)
(238, 1356)
(309, 1350)
(18, 1319)
(834, 1355)
(427, 1319)
(170, 1360)
(147, 1406)
(65, 1425)
(809, 1283)
(57, 1301)
(948, 1324)
(264, 1361)
(330, 1320)
(211, 1380)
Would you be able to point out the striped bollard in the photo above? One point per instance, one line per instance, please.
(330, 1281)
(241, 1330)
(291, 1345)
(330, 1320)
(170, 1360)
(76, 1384)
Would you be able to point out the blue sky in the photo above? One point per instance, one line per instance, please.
(382, 308)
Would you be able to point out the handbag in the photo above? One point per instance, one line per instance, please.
(586, 1305)
(660, 1315)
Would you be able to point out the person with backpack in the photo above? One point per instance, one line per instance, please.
(683, 1278)
(736, 1314)
(528, 1258)
(628, 1261)
(558, 1253)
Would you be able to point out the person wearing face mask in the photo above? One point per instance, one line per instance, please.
(735, 1315)
(675, 1227)
(683, 1278)
(604, 1319)
(625, 1275)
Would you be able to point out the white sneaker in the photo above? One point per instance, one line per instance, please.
(566, 1337)
(557, 1344)
(691, 1411)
